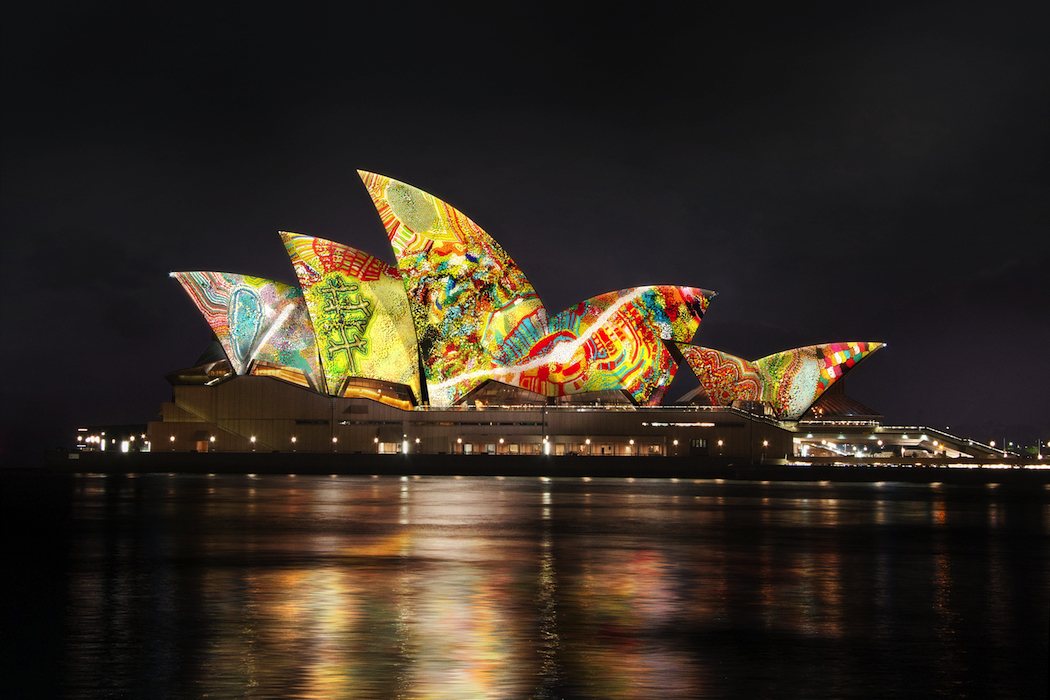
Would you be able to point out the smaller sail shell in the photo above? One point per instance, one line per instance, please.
(795, 379)
(790, 381)
(256, 321)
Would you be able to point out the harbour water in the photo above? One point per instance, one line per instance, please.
(190, 586)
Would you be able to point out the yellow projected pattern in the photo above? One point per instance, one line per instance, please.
(361, 316)
(467, 295)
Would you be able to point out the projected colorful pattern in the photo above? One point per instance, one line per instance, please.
(726, 378)
(467, 295)
(613, 341)
(789, 381)
(478, 318)
(359, 310)
(256, 320)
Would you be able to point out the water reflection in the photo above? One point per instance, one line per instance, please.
(337, 587)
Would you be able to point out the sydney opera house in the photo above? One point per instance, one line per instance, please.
(453, 352)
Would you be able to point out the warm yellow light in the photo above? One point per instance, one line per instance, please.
(293, 438)
(335, 439)
(172, 438)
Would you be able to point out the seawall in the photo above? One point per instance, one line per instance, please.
(1020, 473)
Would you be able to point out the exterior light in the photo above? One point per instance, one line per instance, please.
(676, 442)
(375, 440)
(500, 441)
(417, 441)
(293, 438)
(172, 438)
(459, 441)
(588, 441)
(211, 439)
(253, 439)
(632, 441)
(719, 443)
(765, 443)
(335, 439)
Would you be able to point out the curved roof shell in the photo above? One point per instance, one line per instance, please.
(789, 381)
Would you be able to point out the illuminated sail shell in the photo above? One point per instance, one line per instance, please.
(796, 378)
(360, 314)
(466, 293)
(726, 378)
(258, 322)
(613, 341)
(790, 381)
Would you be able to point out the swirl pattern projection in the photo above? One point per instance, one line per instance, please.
(478, 318)
(789, 381)
(613, 341)
(257, 322)
(360, 313)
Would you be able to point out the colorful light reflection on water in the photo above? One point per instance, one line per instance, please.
(321, 587)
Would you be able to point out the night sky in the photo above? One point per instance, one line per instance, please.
(866, 172)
